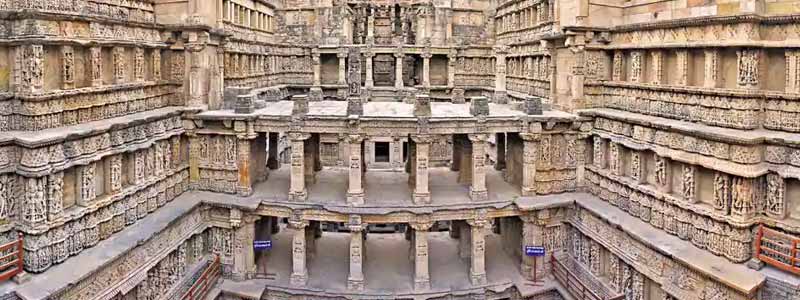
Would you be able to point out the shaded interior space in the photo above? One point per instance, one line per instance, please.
(383, 188)
(389, 258)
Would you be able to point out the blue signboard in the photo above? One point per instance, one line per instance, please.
(534, 251)
(262, 245)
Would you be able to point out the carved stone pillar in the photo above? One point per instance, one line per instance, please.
(86, 184)
(118, 59)
(355, 279)
(689, 183)
(662, 172)
(477, 190)
(451, 68)
(477, 266)
(194, 158)
(618, 66)
(711, 68)
(96, 69)
(244, 254)
(398, 69)
(500, 147)
(637, 66)
(30, 68)
(599, 152)
(371, 28)
(422, 279)
(792, 71)
(530, 145)
(426, 70)
(637, 167)
(775, 202)
(682, 61)
(747, 65)
(657, 69)
(299, 275)
(342, 56)
(315, 92)
(368, 81)
(355, 189)
(422, 193)
(138, 64)
(297, 189)
(68, 67)
(500, 94)
(532, 235)
(243, 163)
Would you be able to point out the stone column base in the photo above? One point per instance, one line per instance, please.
(315, 94)
(244, 191)
(298, 196)
(298, 279)
(355, 198)
(477, 279)
(478, 195)
(422, 198)
(355, 284)
(422, 284)
(528, 191)
(755, 264)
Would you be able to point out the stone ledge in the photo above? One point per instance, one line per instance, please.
(721, 134)
(736, 276)
(81, 267)
(60, 134)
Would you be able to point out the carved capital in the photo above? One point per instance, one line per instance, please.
(355, 138)
(354, 224)
(422, 223)
(478, 223)
(422, 138)
(530, 137)
(298, 136)
(478, 137)
(298, 223)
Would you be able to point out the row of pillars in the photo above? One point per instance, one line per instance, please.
(472, 245)
(469, 159)
(471, 235)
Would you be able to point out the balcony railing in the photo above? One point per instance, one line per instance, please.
(11, 259)
(576, 281)
(778, 249)
(203, 285)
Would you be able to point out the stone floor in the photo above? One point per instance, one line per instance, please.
(383, 188)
